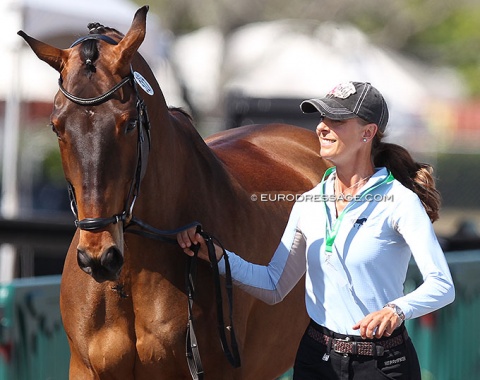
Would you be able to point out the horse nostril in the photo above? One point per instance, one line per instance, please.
(112, 260)
(107, 268)
(84, 261)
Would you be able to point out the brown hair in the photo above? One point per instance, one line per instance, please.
(416, 176)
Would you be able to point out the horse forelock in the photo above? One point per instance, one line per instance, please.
(89, 54)
(89, 51)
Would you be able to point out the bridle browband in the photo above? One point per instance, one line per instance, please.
(92, 101)
(143, 229)
(105, 96)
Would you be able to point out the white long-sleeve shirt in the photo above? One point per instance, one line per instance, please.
(368, 263)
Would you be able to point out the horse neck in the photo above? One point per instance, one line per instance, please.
(183, 174)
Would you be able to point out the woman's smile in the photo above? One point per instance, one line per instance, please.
(327, 142)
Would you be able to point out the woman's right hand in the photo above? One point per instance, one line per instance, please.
(190, 237)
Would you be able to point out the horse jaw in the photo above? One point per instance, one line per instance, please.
(55, 57)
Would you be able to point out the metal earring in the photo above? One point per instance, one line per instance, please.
(364, 139)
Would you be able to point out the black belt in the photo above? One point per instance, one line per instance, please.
(352, 347)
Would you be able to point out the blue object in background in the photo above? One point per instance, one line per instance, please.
(33, 344)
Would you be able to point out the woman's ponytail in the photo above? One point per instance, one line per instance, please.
(417, 177)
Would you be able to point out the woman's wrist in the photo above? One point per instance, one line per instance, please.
(219, 252)
(398, 312)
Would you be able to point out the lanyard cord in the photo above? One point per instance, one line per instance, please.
(331, 234)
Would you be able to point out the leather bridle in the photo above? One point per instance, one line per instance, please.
(143, 145)
(138, 227)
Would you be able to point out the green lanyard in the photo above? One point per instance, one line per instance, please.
(331, 234)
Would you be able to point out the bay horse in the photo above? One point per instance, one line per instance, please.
(123, 296)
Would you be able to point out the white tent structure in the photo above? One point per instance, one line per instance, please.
(304, 59)
(307, 59)
(60, 22)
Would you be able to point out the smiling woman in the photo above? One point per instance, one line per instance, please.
(375, 212)
(360, 134)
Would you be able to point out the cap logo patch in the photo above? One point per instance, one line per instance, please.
(343, 90)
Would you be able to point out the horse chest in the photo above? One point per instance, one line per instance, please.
(116, 337)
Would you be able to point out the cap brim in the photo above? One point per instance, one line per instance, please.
(328, 108)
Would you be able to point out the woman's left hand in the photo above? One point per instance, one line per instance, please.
(377, 324)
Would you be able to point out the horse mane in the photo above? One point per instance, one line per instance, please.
(181, 111)
(97, 28)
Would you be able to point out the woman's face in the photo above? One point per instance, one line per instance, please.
(341, 141)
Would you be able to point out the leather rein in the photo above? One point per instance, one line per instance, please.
(136, 226)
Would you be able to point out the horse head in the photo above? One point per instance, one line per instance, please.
(102, 127)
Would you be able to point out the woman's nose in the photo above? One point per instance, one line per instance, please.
(321, 127)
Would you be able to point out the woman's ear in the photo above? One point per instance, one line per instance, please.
(369, 131)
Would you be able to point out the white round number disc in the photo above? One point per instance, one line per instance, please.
(142, 82)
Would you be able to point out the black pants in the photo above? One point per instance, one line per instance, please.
(399, 363)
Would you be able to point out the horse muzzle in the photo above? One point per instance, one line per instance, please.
(105, 268)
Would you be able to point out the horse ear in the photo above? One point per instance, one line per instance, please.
(129, 44)
(53, 56)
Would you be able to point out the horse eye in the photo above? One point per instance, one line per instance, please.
(52, 126)
(132, 124)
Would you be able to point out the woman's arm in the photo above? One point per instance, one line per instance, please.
(437, 289)
(269, 283)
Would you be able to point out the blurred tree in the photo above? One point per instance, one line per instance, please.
(454, 42)
(440, 32)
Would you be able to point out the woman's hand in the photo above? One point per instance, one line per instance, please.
(379, 323)
(186, 239)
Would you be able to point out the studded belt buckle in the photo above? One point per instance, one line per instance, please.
(344, 346)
